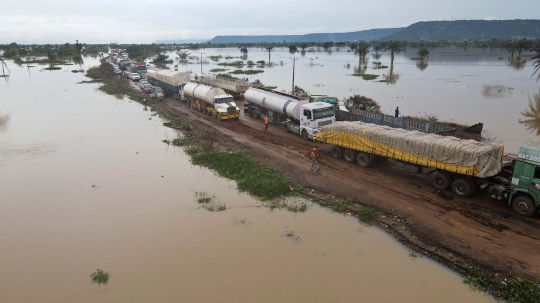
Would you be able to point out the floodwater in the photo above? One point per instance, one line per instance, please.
(458, 85)
(86, 183)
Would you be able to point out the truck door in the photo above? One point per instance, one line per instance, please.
(524, 173)
(535, 182)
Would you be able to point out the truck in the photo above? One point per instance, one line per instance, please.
(331, 100)
(168, 80)
(232, 86)
(448, 162)
(212, 101)
(293, 113)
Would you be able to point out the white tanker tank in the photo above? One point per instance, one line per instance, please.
(276, 102)
(212, 101)
(295, 114)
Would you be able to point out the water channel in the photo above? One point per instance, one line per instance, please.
(86, 183)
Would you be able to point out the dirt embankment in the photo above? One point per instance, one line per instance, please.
(477, 236)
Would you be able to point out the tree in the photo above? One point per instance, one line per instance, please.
(244, 51)
(522, 44)
(303, 46)
(393, 47)
(269, 49)
(292, 48)
(423, 53)
(377, 48)
(161, 58)
(361, 51)
(78, 47)
(536, 63)
(183, 54)
(511, 47)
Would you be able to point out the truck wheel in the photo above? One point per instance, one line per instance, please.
(524, 205)
(304, 134)
(286, 128)
(218, 117)
(364, 160)
(337, 152)
(463, 187)
(441, 180)
(350, 155)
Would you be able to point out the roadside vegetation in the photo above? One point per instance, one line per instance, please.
(100, 277)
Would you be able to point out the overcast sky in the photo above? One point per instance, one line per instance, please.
(134, 21)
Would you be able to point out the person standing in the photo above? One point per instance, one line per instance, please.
(314, 159)
(266, 122)
(397, 112)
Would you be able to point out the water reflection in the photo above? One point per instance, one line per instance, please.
(421, 64)
(391, 77)
(532, 115)
(376, 56)
(496, 91)
(4, 119)
(517, 64)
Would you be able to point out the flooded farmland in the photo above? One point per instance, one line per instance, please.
(460, 85)
(86, 183)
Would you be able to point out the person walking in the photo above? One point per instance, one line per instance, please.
(314, 159)
(397, 112)
(266, 122)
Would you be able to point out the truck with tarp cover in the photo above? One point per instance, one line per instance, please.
(235, 87)
(169, 81)
(448, 162)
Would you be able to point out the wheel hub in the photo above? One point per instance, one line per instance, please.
(522, 206)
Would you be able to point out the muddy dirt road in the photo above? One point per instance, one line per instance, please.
(458, 232)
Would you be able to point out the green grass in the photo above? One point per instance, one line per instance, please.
(218, 70)
(100, 277)
(182, 142)
(251, 177)
(270, 87)
(181, 122)
(235, 63)
(366, 213)
(519, 290)
(297, 208)
(204, 200)
(247, 72)
(367, 76)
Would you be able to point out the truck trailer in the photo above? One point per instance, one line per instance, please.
(448, 162)
(212, 101)
(295, 114)
(168, 80)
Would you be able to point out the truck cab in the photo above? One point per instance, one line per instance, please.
(226, 107)
(313, 116)
(524, 193)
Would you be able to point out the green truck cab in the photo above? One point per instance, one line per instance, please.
(524, 191)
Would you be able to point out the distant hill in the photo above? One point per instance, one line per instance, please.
(181, 41)
(468, 29)
(372, 34)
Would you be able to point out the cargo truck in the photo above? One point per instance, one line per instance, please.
(168, 80)
(294, 114)
(212, 101)
(448, 162)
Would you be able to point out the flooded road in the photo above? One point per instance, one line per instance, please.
(86, 183)
(459, 85)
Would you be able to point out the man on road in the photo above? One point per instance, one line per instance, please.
(266, 122)
(397, 112)
(314, 162)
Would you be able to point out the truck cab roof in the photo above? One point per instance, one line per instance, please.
(317, 105)
(530, 152)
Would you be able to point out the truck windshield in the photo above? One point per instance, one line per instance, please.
(224, 100)
(323, 113)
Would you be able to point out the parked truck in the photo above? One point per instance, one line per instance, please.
(235, 87)
(448, 162)
(295, 114)
(168, 80)
(212, 101)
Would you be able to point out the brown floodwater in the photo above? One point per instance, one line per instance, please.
(86, 183)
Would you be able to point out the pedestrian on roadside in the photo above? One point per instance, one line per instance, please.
(397, 112)
(266, 122)
(314, 159)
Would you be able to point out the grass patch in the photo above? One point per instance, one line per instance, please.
(270, 87)
(218, 70)
(518, 290)
(251, 177)
(416, 58)
(366, 213)
(180, 122)
(52, 68)
(247, 72)
(297, 208)
(367, 76)
(235, 63)
(204, 200)
(100, 277)
(186, 141)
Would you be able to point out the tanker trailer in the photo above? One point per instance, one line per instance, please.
(212, 101)
(294, 114)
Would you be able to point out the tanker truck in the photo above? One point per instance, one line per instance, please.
(212, 101)
(168, 80)
(295, 114)
(448, 162)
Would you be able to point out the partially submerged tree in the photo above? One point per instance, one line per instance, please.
(423, 53)
(361, 51)
(359, 101)
(244, 51)
(292, 48)
(269, 49)
(536, 64)
(393, 47)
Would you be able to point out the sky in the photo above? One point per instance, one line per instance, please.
(135, 21)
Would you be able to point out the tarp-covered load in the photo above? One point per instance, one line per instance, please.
(467, 157)
(170, 77)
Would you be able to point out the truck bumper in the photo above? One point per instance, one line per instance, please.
(227, 116)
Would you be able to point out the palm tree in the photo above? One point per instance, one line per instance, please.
(423, 53)
(536, 63)
(532, 115)
(511, 47)
(393, 47)
(361, 51)
(303, 46)
(377, 48)
(269, 50)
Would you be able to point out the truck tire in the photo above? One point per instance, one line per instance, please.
(463, 187)
(364, 159)
(286, 128)
(305, 134)
(441, 180)
(350, 155)
(337, 152)
(524, 205)
(218, 117)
